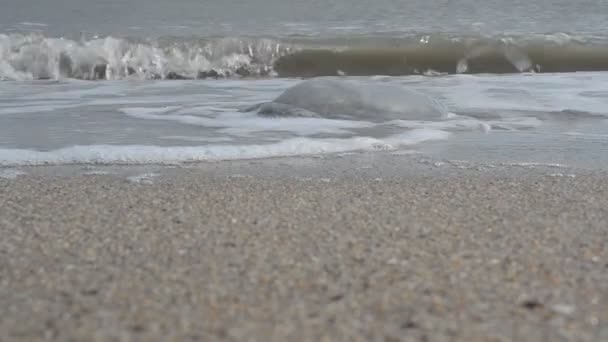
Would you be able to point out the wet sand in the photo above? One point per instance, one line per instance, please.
(496, 254)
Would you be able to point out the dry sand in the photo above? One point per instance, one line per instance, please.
(502, 254)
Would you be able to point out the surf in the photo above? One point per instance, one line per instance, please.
(34, 56)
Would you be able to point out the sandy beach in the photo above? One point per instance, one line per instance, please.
(270, 170)
(241, 254)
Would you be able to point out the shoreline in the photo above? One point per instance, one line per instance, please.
(429, 160)
(361, 247)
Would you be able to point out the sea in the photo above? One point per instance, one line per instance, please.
(142, 82)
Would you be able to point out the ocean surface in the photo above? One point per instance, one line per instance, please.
(164, 82)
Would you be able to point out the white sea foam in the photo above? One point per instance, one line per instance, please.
(456, 124)
(238, 123)
(144, 178)
(108, 154)
(559, 174)
(11, 173)
(27, 23)
(35, 56)
(586, 135)
(197, 139)
(97, 173)
(535, 164)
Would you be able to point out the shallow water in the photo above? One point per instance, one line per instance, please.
(110, 122)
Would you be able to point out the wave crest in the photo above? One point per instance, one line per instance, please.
(34, 56)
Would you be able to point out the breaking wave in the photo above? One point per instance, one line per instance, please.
(36, 56)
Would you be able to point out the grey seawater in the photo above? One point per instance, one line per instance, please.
(316, 17)
(551, 119)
